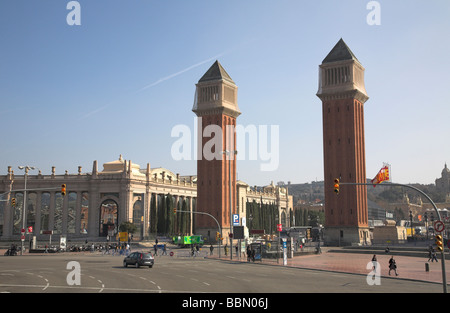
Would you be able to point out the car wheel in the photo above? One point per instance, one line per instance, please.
(137, 265)
(124, 264)
(150, 266)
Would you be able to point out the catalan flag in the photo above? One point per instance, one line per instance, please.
(383, 175)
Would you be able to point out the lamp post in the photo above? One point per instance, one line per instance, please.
(26, 168)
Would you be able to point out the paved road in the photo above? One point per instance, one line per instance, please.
(105, 274)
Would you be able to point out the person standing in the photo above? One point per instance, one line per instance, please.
(392, 266)
(434, 256)
(374, 262)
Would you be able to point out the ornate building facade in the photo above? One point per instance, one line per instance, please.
(95, 203)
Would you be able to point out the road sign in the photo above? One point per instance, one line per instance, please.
(235, 219)
(123, 236)
(439, 226)
(30, 229)
(279, 227)
(238, 232)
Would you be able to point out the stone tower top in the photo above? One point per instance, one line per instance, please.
(216, 93)
(341, 75)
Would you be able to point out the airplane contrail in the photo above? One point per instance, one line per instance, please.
(181, 72)
(157, 82)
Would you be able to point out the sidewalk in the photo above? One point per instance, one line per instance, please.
(407, 267)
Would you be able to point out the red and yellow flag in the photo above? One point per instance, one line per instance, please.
(383, 175)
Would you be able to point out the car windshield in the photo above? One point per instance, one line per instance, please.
(147, 256)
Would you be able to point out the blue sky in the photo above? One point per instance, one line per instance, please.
(119, 82)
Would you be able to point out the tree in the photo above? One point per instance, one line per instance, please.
(162, 214)
(153, 215)
(128, 227)
(170, 217)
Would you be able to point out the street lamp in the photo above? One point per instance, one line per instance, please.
(26, 168)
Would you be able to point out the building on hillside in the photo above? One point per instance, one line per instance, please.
(443, 183)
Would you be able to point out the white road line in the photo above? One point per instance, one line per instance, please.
(46, 286)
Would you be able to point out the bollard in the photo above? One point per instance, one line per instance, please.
(427, 267)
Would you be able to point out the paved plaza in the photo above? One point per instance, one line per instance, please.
(409, 267)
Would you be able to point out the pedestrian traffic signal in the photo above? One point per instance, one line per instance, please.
(63, 189)
(439, 243)
(336, 186)
(13, 202)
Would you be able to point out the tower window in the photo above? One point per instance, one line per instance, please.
(210, 93)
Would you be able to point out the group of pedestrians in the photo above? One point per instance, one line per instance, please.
(250, 254)
(392, 264)
(155, 248)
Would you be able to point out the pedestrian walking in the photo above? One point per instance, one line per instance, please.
(392, 266)
(226, 249)
(374, 262)
(211, 249)
(433, 256)
(164, 250)
(249, 253)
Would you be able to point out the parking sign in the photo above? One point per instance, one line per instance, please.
(235, 219)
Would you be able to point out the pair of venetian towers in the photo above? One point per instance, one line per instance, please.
(342, 91)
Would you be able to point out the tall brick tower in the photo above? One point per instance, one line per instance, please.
(216, 107)
(342, 91)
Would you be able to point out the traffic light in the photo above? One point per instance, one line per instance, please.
(63, 189)
(439, 242)
(174, 210)
(13, 202)
(336, 186)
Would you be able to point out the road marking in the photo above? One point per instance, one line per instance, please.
(46, 286)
